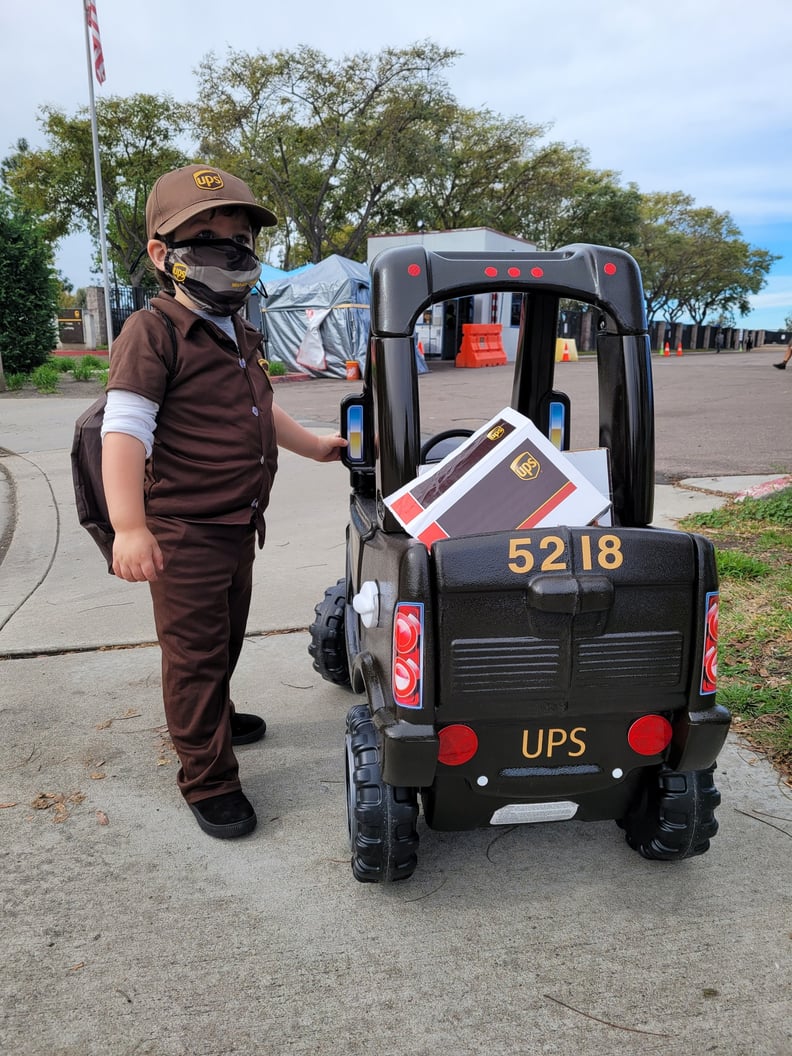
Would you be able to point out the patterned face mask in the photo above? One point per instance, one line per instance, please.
(217, 274)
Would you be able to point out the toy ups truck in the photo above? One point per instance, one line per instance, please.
(532, 674)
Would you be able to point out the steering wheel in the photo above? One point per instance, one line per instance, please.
(438, 438)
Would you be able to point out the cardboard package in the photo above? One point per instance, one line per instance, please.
(506, 476)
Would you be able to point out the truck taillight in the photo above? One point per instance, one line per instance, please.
(709, 663)
(650, 735)
(458, 744)
(408, 654)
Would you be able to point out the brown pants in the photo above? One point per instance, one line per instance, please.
(201, 603)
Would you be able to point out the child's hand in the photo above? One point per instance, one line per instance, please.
(137, 556)
(330, 447)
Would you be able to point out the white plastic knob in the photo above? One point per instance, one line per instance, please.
(366, 603)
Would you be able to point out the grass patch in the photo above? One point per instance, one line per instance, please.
(276, 368)
(63, 364)
(45, 378)
(753, 539)
(83, 371)
(93, 362)
(16, 382)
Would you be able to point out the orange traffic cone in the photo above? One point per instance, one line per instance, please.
(565, 354)
(666, 350)
(679, 349)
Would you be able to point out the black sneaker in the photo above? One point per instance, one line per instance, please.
(226, 816)
(246, 728)
(780, 366)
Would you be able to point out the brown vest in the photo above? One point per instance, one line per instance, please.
(215, 452)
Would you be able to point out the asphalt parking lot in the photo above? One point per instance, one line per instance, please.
(128, 932)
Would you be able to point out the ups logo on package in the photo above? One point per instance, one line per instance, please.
(496, 432)
(208, 180)
(525, 466)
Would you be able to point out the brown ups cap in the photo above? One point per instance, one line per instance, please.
(179, 195)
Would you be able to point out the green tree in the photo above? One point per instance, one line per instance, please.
(469, 169)
(693, 260)
(139, 138)
(328, 143)
(725, 269)
(567, 201)
(662, 251)
(28, 291)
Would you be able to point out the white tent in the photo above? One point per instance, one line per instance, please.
(317, 320)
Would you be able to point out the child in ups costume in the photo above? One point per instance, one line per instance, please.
(188, 459)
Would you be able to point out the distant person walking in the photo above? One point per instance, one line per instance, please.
(786, 359)
(718, 341)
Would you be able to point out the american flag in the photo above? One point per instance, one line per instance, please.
(96, 40)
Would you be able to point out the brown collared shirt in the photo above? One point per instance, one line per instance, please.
(215, 452)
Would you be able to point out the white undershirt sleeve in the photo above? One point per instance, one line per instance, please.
(126, 412)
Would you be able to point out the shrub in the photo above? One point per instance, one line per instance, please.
(28, 290)
(277, 369)
(93, 362)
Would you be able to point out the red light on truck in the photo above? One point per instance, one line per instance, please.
(490, 272)
(649, 735)
(709, 662)
(537, 272)
(458, 744)
(610, 269)
(408, 654)
(414, 269)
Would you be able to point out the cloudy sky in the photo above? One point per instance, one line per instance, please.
(691, 95)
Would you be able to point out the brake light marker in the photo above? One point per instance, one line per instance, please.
(650, 735)
(408, 634)
(458, 744)
(709, 661)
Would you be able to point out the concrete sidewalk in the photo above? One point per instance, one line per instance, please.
(127, 931)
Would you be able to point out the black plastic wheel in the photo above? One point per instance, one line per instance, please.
(381, 819)
(328, 645)
(675, 816)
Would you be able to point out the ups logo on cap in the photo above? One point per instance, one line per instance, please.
(525, 466)
(208, 180)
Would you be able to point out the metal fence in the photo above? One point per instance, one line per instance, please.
(124, 300)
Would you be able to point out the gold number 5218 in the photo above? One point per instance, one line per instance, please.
(607, 554)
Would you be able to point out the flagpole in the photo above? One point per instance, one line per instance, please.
(99, 191)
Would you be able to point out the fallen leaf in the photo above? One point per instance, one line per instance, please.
(77, 967)
(3, 806)
(102, 818)
(104, 725)
(97, 775)
(60, 813)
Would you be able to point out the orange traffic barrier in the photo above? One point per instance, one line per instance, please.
(679, 349)
(666, 350)
(565, 353)
(481, 346)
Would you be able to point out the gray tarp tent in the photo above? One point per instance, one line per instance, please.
(318, 319)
